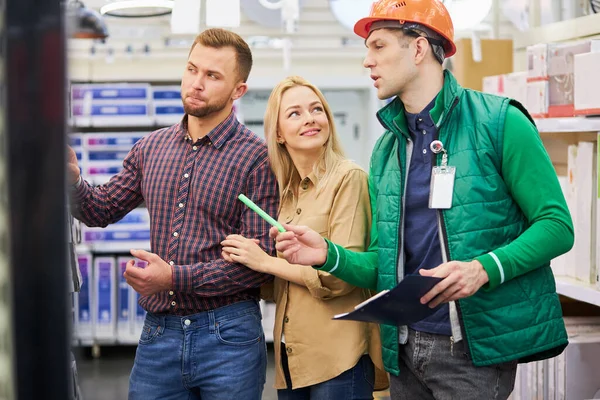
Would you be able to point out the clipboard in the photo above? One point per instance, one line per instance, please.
(398, 306)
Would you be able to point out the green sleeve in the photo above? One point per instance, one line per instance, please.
(357, 268)
(533, 184)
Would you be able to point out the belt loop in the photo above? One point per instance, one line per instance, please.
(211, 322)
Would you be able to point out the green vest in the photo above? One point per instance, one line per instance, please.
(520, 319)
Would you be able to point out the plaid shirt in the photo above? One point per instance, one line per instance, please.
(190, 190)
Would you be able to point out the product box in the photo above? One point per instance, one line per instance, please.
(494, 84)
(585, 229)
(586, 84)
(537, 62)
(105, 294)
(111, 104)
(124, 331)
(84, 311)
(515, 86)
(138, 314)
(168, 112)
(561, 77)
(537, 98)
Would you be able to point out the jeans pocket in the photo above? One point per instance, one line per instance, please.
(368, 370)
(149, 333)
(243, 330)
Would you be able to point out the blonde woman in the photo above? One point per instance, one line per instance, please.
(316, 357)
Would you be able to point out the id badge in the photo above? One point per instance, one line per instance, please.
(442, 187)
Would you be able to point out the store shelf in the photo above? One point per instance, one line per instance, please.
(573, 124)
(577, 290)
(108, 247)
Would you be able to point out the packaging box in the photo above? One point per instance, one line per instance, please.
(84, 300)
(537, 99)
(494, 84)
(105, 296)
(561, 78)
(537, 62)
(515, 86)
(124, 331)
(587, 84)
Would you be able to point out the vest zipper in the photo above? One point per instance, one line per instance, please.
(400, 228)
(444, 241)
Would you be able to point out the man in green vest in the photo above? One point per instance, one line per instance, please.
(461, 188)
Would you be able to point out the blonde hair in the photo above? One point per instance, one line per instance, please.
(218, 38)
(280, 159)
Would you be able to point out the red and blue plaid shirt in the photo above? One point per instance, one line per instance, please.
(190, 190)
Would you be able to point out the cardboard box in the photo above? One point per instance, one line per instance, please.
(561, 65)
(496, 59)
(586, 98)
(515, 86)
(537, 62)
(537, 99)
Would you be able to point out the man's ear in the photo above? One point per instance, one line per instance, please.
(239, 91)
(422, 47)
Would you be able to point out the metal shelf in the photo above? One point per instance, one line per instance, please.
(577, 290)
(573, 124)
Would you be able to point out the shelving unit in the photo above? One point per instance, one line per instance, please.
(577, 290)
(570, 130)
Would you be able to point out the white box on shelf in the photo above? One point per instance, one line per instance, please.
(537, 62)
(494, 84)
(124, 310)
(105, 295)
(169, 93)
(577, 369)
(110, 91)
(571, 199)
(561, 76)
(598, 213)
(111, 141)
(585, 230)
(168, 112)
(84, 300)
(537, 99)
(515, 86)
(138, 314)
(113, 114)
(586, 84)
(559, 264)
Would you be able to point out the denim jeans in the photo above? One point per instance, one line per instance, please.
(430, 368)
(217, 354)
(353, 384)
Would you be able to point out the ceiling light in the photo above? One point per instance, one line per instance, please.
(138, 8)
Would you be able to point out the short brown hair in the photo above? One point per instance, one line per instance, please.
(218, 38)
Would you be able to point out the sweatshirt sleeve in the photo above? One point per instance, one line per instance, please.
(532, 181)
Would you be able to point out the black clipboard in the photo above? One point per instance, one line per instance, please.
(398, 306)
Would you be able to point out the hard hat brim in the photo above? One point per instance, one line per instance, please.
(361, 28)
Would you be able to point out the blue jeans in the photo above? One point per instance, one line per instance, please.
(211, 355)
(353, 384)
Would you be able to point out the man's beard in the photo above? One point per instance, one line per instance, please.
(208, 109)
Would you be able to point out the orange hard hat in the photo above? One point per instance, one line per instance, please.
(429, 13)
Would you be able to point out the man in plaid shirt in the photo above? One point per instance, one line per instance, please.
(202, 336)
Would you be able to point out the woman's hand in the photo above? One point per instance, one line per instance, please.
(237, 248)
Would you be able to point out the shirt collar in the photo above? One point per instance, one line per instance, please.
(412, 120)
(219, 135)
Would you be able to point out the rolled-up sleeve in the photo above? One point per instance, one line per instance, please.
(349, 225)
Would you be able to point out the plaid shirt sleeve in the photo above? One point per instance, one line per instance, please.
(219, 277)
(105, 204)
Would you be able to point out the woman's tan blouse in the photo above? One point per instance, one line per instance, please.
(319, 348)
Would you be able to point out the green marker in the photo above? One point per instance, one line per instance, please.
(260, 212)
